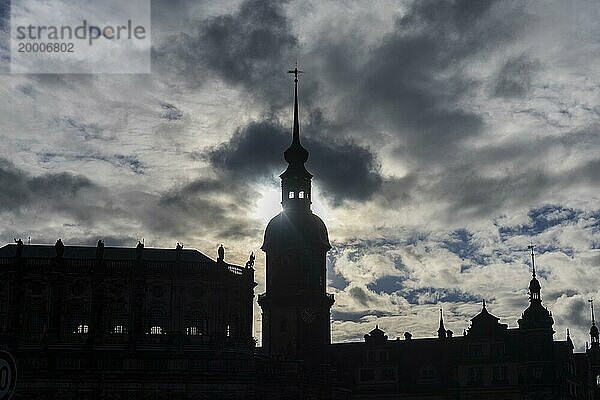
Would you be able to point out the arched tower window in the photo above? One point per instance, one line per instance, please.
(291, 195)
(301, 194)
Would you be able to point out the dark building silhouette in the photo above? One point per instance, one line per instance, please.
(296, 306)
(141, 323)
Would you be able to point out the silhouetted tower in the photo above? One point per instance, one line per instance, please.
(296, 307)
(593, 352)
(441, 330)
(537, 352)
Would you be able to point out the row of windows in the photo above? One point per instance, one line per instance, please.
(196, 325)
(301, 194)
(156, 330)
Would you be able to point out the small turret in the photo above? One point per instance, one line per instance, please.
(536, 316)
(594, 334)
(441, 330)
(376, 336)
(60, 248)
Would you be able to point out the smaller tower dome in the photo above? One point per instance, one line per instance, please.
(536, 316)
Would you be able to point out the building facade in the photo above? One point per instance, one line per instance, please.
(91, 322)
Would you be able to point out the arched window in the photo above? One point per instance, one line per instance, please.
(117, 317)
(156, 330)
(76, 318)
(301, 194)
(158, 322)
(196, 323)
(291, 195)
(119, 330)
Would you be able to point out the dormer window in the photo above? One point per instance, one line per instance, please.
(301, 194)
(291, 195)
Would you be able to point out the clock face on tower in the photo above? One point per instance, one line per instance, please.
(308, 315)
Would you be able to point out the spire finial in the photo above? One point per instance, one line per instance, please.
(483, 304)
(442, 329)
(531, 247)
(296, 133)
(592, 309)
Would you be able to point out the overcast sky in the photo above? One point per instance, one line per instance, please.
(444, 136)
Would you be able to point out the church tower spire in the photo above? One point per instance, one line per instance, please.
(296, 129)
(534, 285)
(296, 306)
(296, 180)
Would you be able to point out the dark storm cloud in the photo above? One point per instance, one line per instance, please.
(414, 78)
(206, 205)
(577, 314)
(20, 190)
(248, 45)
(431, 295)
(361, 296)
(515, 76)
(199, 207)
(344, 170)
(475, 195)
(251, 47)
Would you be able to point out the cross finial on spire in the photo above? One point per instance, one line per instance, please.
(296, 129)
(531, 247)
(295, 71)
(483, 303)
(592, 308)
